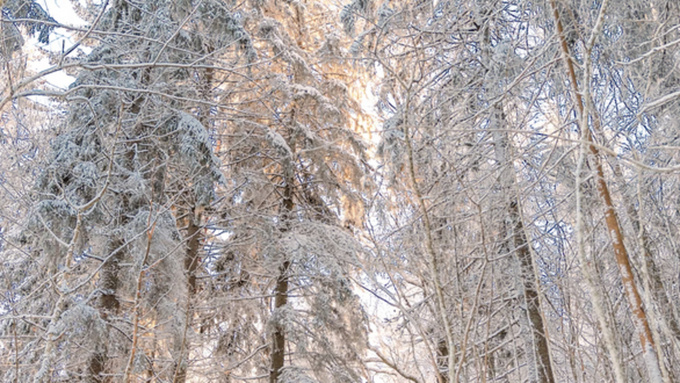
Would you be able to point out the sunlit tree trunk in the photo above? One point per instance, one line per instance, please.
(654, 292)
(613, 228)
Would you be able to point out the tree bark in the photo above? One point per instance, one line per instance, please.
(108, 305)
(109, 277)
(434, 258)
(281, 288)
(279, 339)
(658, 290)
(613, 228)
(192, 259)
(538, 327)
(521, 247)
(194, 238)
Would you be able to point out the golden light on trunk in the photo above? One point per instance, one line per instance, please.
(613, 228)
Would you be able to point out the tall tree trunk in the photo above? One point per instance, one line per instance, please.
(109, 276)
(661, 314)
(108, 304)
(613, 228)
(281, 288)
(442, 349)
(433, 261)
(442, 361)
(192, 259)
(542, 369)
(194, 240)
(279, 338)
(654, 274)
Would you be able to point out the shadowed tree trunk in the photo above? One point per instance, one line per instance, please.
(442, 361)
(194, 238)
(108, 305)
(192, 259)
(519, 244)
(281, 288)
(279, 339)
(109, 278)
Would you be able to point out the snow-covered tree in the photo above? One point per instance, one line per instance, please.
(102, 258)
(339, 191)
(295, 165)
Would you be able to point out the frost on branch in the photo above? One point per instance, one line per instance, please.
(227, 27)
(194, 146)
(33, 17)
(164, 286)
(294, 374)
(390, 147)
(326, 321)
(10, 36)
(349, 13)
(279, 143)
(282, 46)
(72, 173)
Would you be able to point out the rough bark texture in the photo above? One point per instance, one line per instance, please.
(108, 305)
(442, 361)
(192, 258)
(657, 286)
(434, 258)
(520, 246)
(279, 340)
(538, 327)
(281, 288)
(613, 228)
(109, 278)
(194, 238)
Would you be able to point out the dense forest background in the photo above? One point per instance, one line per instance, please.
(340, 191)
